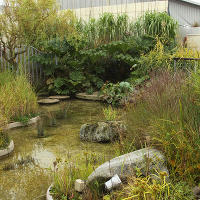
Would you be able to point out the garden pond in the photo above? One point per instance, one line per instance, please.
(27, 172)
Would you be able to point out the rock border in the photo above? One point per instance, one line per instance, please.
(48, 195)
(7, 150)
(59, 97)
(20, 124)
(91, 97)
(48, 101)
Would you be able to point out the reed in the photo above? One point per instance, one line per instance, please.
(17, 96)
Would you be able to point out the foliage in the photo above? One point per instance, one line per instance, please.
(117, 94)
(157, 24)
(110, 113)
(105, 29)
(29, 22)
(69, 75)
(166, 111)
(144, 188)
(82, 69)
(17, 96)
(156, 59)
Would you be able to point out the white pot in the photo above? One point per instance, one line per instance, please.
(48, 195)
(113, 182)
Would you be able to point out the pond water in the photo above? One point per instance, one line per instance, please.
(27, 172)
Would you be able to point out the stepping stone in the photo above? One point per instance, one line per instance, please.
(48, 101)
(94, 97)
(59, 97)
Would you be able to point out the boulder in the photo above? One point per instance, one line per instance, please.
(102, 131)
(148, 161)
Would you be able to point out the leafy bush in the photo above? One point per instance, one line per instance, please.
(17, 96)
(168, 113)
(117, 94)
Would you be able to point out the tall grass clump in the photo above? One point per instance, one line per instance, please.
(106, 29)
(157, 24)
(167, 111)
(18, 98)
(78, 167)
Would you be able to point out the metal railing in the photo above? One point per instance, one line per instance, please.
(182, 63)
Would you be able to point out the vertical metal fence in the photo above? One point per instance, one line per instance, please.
(25, 63)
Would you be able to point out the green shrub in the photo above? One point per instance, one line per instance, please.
(17, 96)
(156, 59)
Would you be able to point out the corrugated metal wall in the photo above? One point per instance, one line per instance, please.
(75, 4)
(184, 13)
(94, 8)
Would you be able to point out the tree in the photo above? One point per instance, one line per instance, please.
(29, 22)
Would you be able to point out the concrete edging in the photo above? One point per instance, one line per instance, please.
(48, 195)
(7, 150)
(20, 124)
(91, 97)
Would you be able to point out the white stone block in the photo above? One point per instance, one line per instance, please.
(79, 185)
